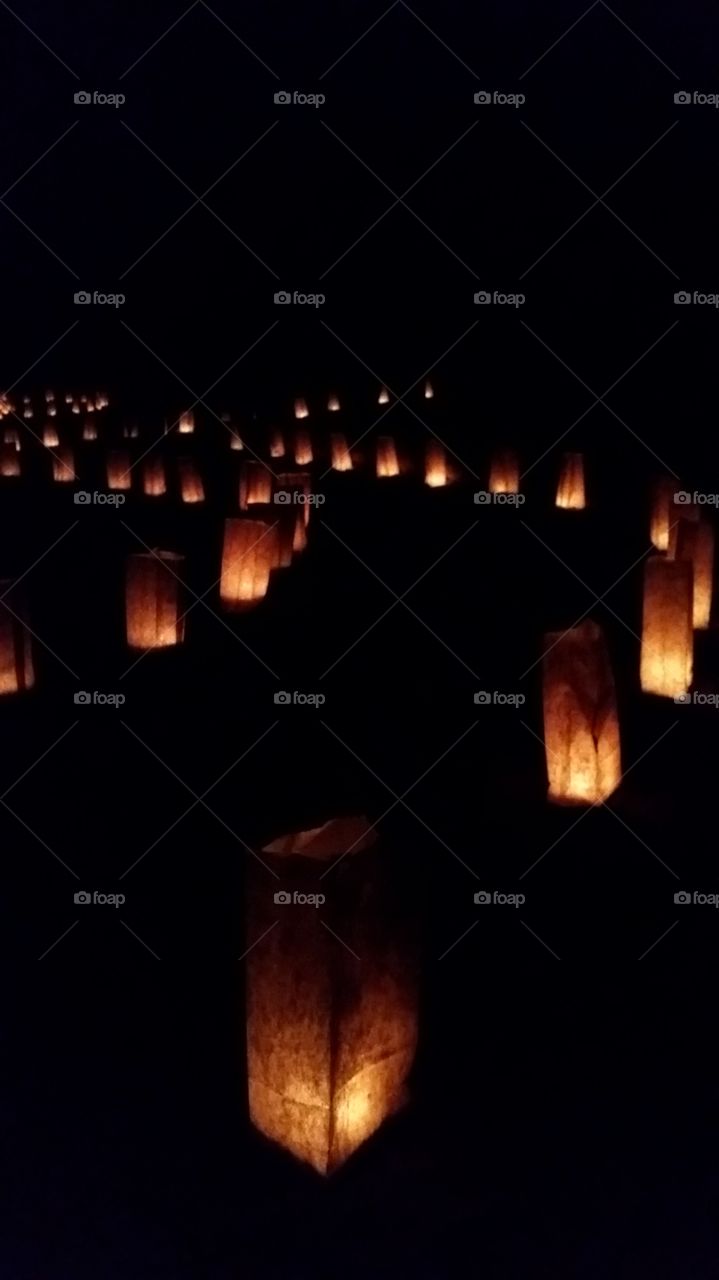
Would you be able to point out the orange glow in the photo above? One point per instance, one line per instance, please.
(89, 431)
(277, 445)
(695, 543)
(152, 600)
(255, 484)
(667, 654)
(11, 436)
(581, 728)
(50, 438)
(63, 465)
(297, 482)
(333, 404)
(303, 448)
(191, 486)
(428, 390)
(9, 461)
(341, 456)
(663, 511)
(186, 425)
(249, 555)
(16, 667)
(504, 472)
(383, 397)
(301, 410)
(119, 475)
(435, 465)
(154, 482)
(570, 489)
(387, 463)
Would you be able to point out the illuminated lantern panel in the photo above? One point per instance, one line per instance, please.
(249, 555)
(333, 404)
(299, 539)
(16, 668)
(303, 449)
(663, 511)
(695, 543)
(331, 1028)
(288, 518)
(383, 397)
(236, 443)
(570, 489)
(435, 465)
(11, 436)
(186, 424)
(52, 411)
(387, 463)
(428, 390)
(9, 461)
(581, 727)
(89, 431)
(299, 482)
(191, 486)
(119, 475)
(63, 465)
(341, 456)
(301, 410)
(277, 445)
(76, 407)
(680, 513)
(255, 484)
(154, 483)
(50, 438)
(153, 599)
(131, 431)
(504, 472)
(667, 638)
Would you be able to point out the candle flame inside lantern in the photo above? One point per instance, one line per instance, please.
(435, 465)
(383, 397)
(63, 465)
(186, 424)
(119, 475)
(277, 445)
(301, 410)
(387, 463)
(89, 431)
(9, 461)
(504, 472)
(570, 489)
(154, 483)
(303, 448)
(428, 390)
(191, 486)
(11, 436)
(249, 555)
(680, 513)
(581, 727)
(667, 653)
(255, 484)
(695, 544)
(50, 438)
(663, 511)
(333, 405)
(152, 597)
(16, 666)
(341, 456)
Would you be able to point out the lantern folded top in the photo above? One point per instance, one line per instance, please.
(334, 837)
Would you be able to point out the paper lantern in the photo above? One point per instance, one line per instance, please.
(331, 994)
(341, 456)
(387, 464)
(428, 390)
(249, 554)
(695, 543)
(191, 486)
(277, 445)
(570, 489)
(435, 465)
(153, 600)
(663, 512)
(299, 539)
(667, 638)
(52, 411)
(90, 406)
(301, 410)
(504, 472)
(50, 438)
(49, 397)
(186, 424)
(119, 475)
(154, 484)
(9, 461)
(16, 666)
(383, 397)
(76, 409)
(89, 431)
(68, 398)
(581, 728)
(333, 405)
(255, 484)
(130, 431)
(63, 465)
(680, 512)
(11, 436)
(236, 443)
(303, 448)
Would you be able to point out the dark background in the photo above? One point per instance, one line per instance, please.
(564, 1100)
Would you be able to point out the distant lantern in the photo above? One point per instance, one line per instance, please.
(695, 543)
(681, 513)
(333, 405)
(89, 431)
(52, 411)
(9, 461)
(387, 463)
(102, 401)
(76, 408)
(299, 483)
(299, 539)
(154, 600)
(16, 667)
(435, 465)
(63, 465)
(154, 483)
(11, 436)
(667, 639)
(303, 448)
(49, 397)
(428, 390)
(83, 399)
(249, 555)
(332, 993)
(50, 438)
(68, 398)
(663, 511)
(130, 431)
(341, 456)
(570, 489)
(191, 486)
(27, 412)
(255, 484)
(581, 727)
(119, 474)
(277, 445)
(301, 410)
(90, 406)
(504, 472)
(383, 397)
(186, 425)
